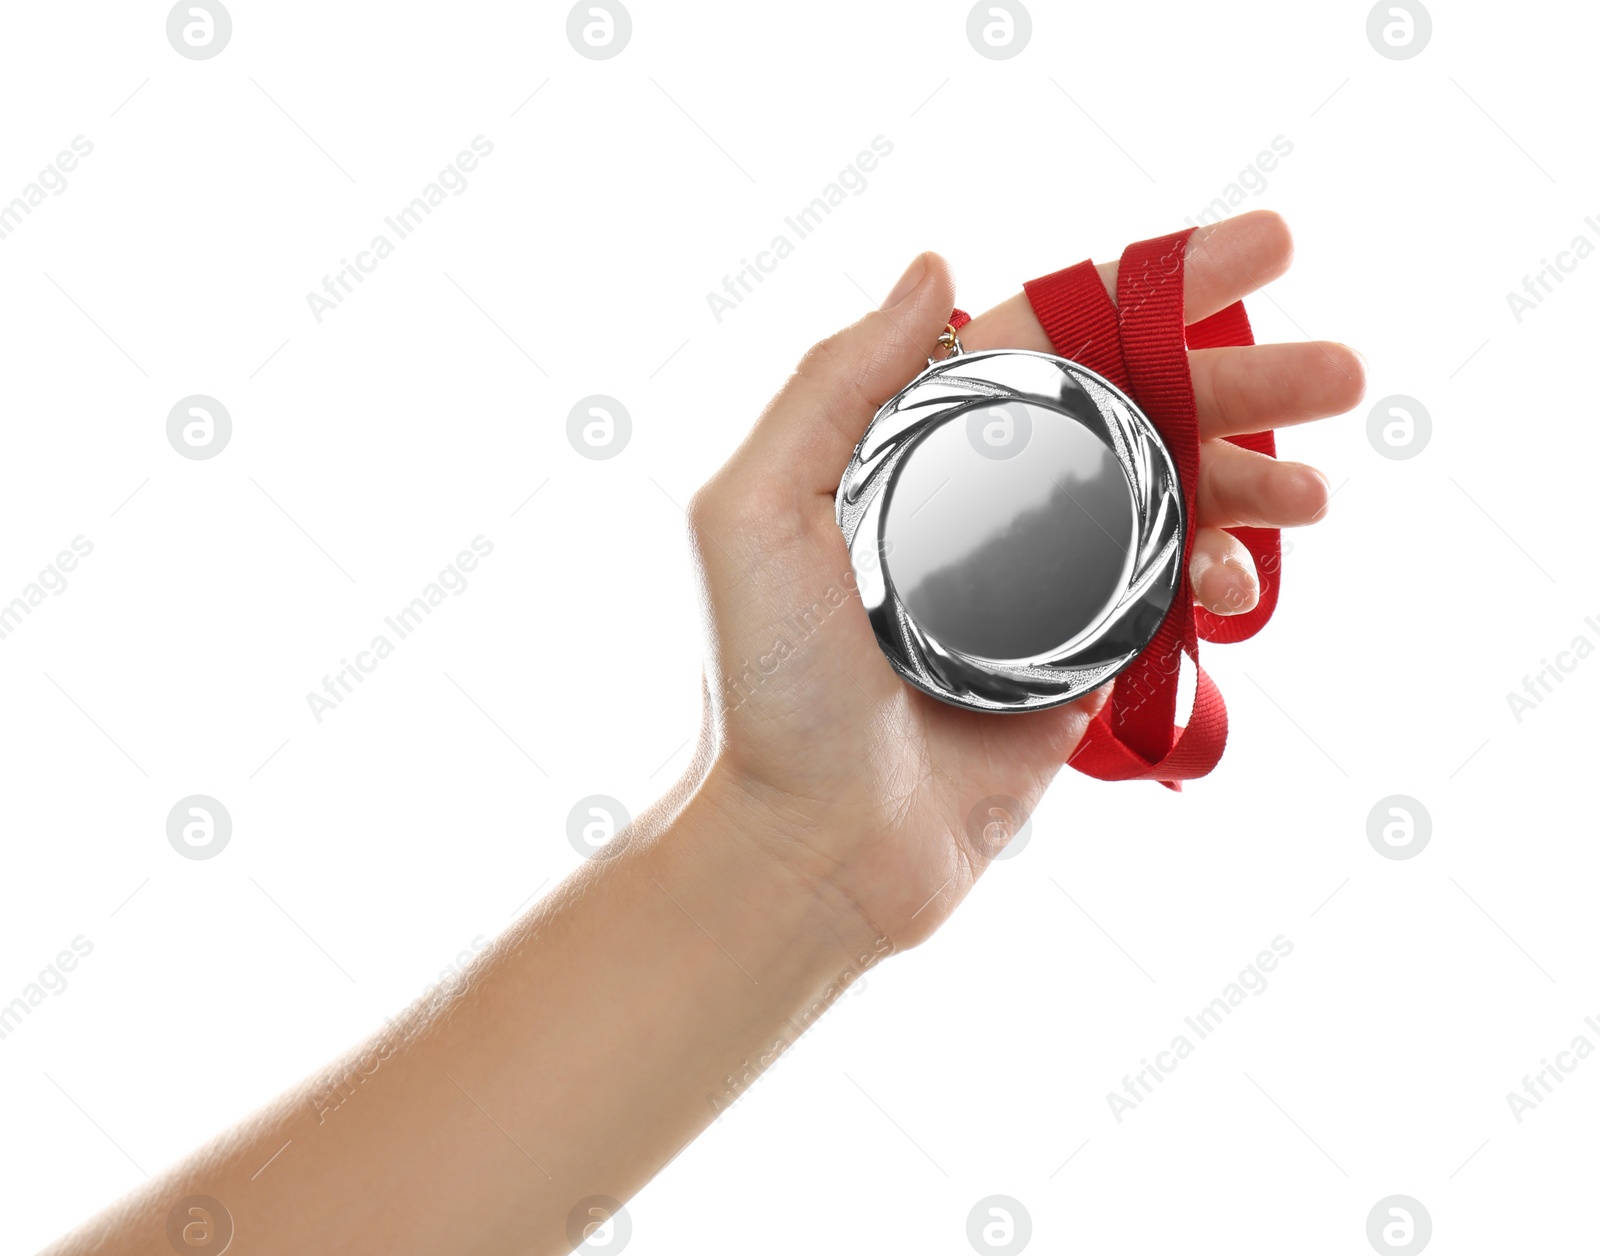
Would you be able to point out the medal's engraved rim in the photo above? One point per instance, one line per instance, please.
(1102, 651)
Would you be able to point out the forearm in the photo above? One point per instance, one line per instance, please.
(588, 1045)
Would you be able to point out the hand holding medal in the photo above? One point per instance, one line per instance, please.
(1080, 493)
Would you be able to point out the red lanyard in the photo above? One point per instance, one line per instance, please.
(1140, 344)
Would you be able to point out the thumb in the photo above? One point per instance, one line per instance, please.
(809, 429)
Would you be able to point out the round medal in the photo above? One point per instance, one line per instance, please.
(1016, 525)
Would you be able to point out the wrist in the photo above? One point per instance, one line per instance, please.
(735, 848)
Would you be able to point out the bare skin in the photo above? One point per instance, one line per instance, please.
(820, 828)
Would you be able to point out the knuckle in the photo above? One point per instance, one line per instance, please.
(717, 507)
(733, 513)
(1210, 387)
(1206, 485)
(823, 360)
(702, 508)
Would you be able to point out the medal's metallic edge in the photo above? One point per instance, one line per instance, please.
(982, 685)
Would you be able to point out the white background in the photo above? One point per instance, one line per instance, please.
(367, 450)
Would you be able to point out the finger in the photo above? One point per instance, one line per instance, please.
(1252, 388)
(804, 438)
(1226, 262)
(1222, 573)
(1239, 487)
(1046, 739)
(1222, 264)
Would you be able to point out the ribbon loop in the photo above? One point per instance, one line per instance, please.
(1141, 344)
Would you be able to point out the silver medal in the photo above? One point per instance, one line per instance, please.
(1016, 527)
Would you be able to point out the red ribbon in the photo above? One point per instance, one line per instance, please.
(1140, 344)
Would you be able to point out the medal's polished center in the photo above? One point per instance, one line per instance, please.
(1009, 532)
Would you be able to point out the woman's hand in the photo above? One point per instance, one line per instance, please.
(867, 783)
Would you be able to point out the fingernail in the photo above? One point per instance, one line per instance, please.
(1238, 591)
(908, 282)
